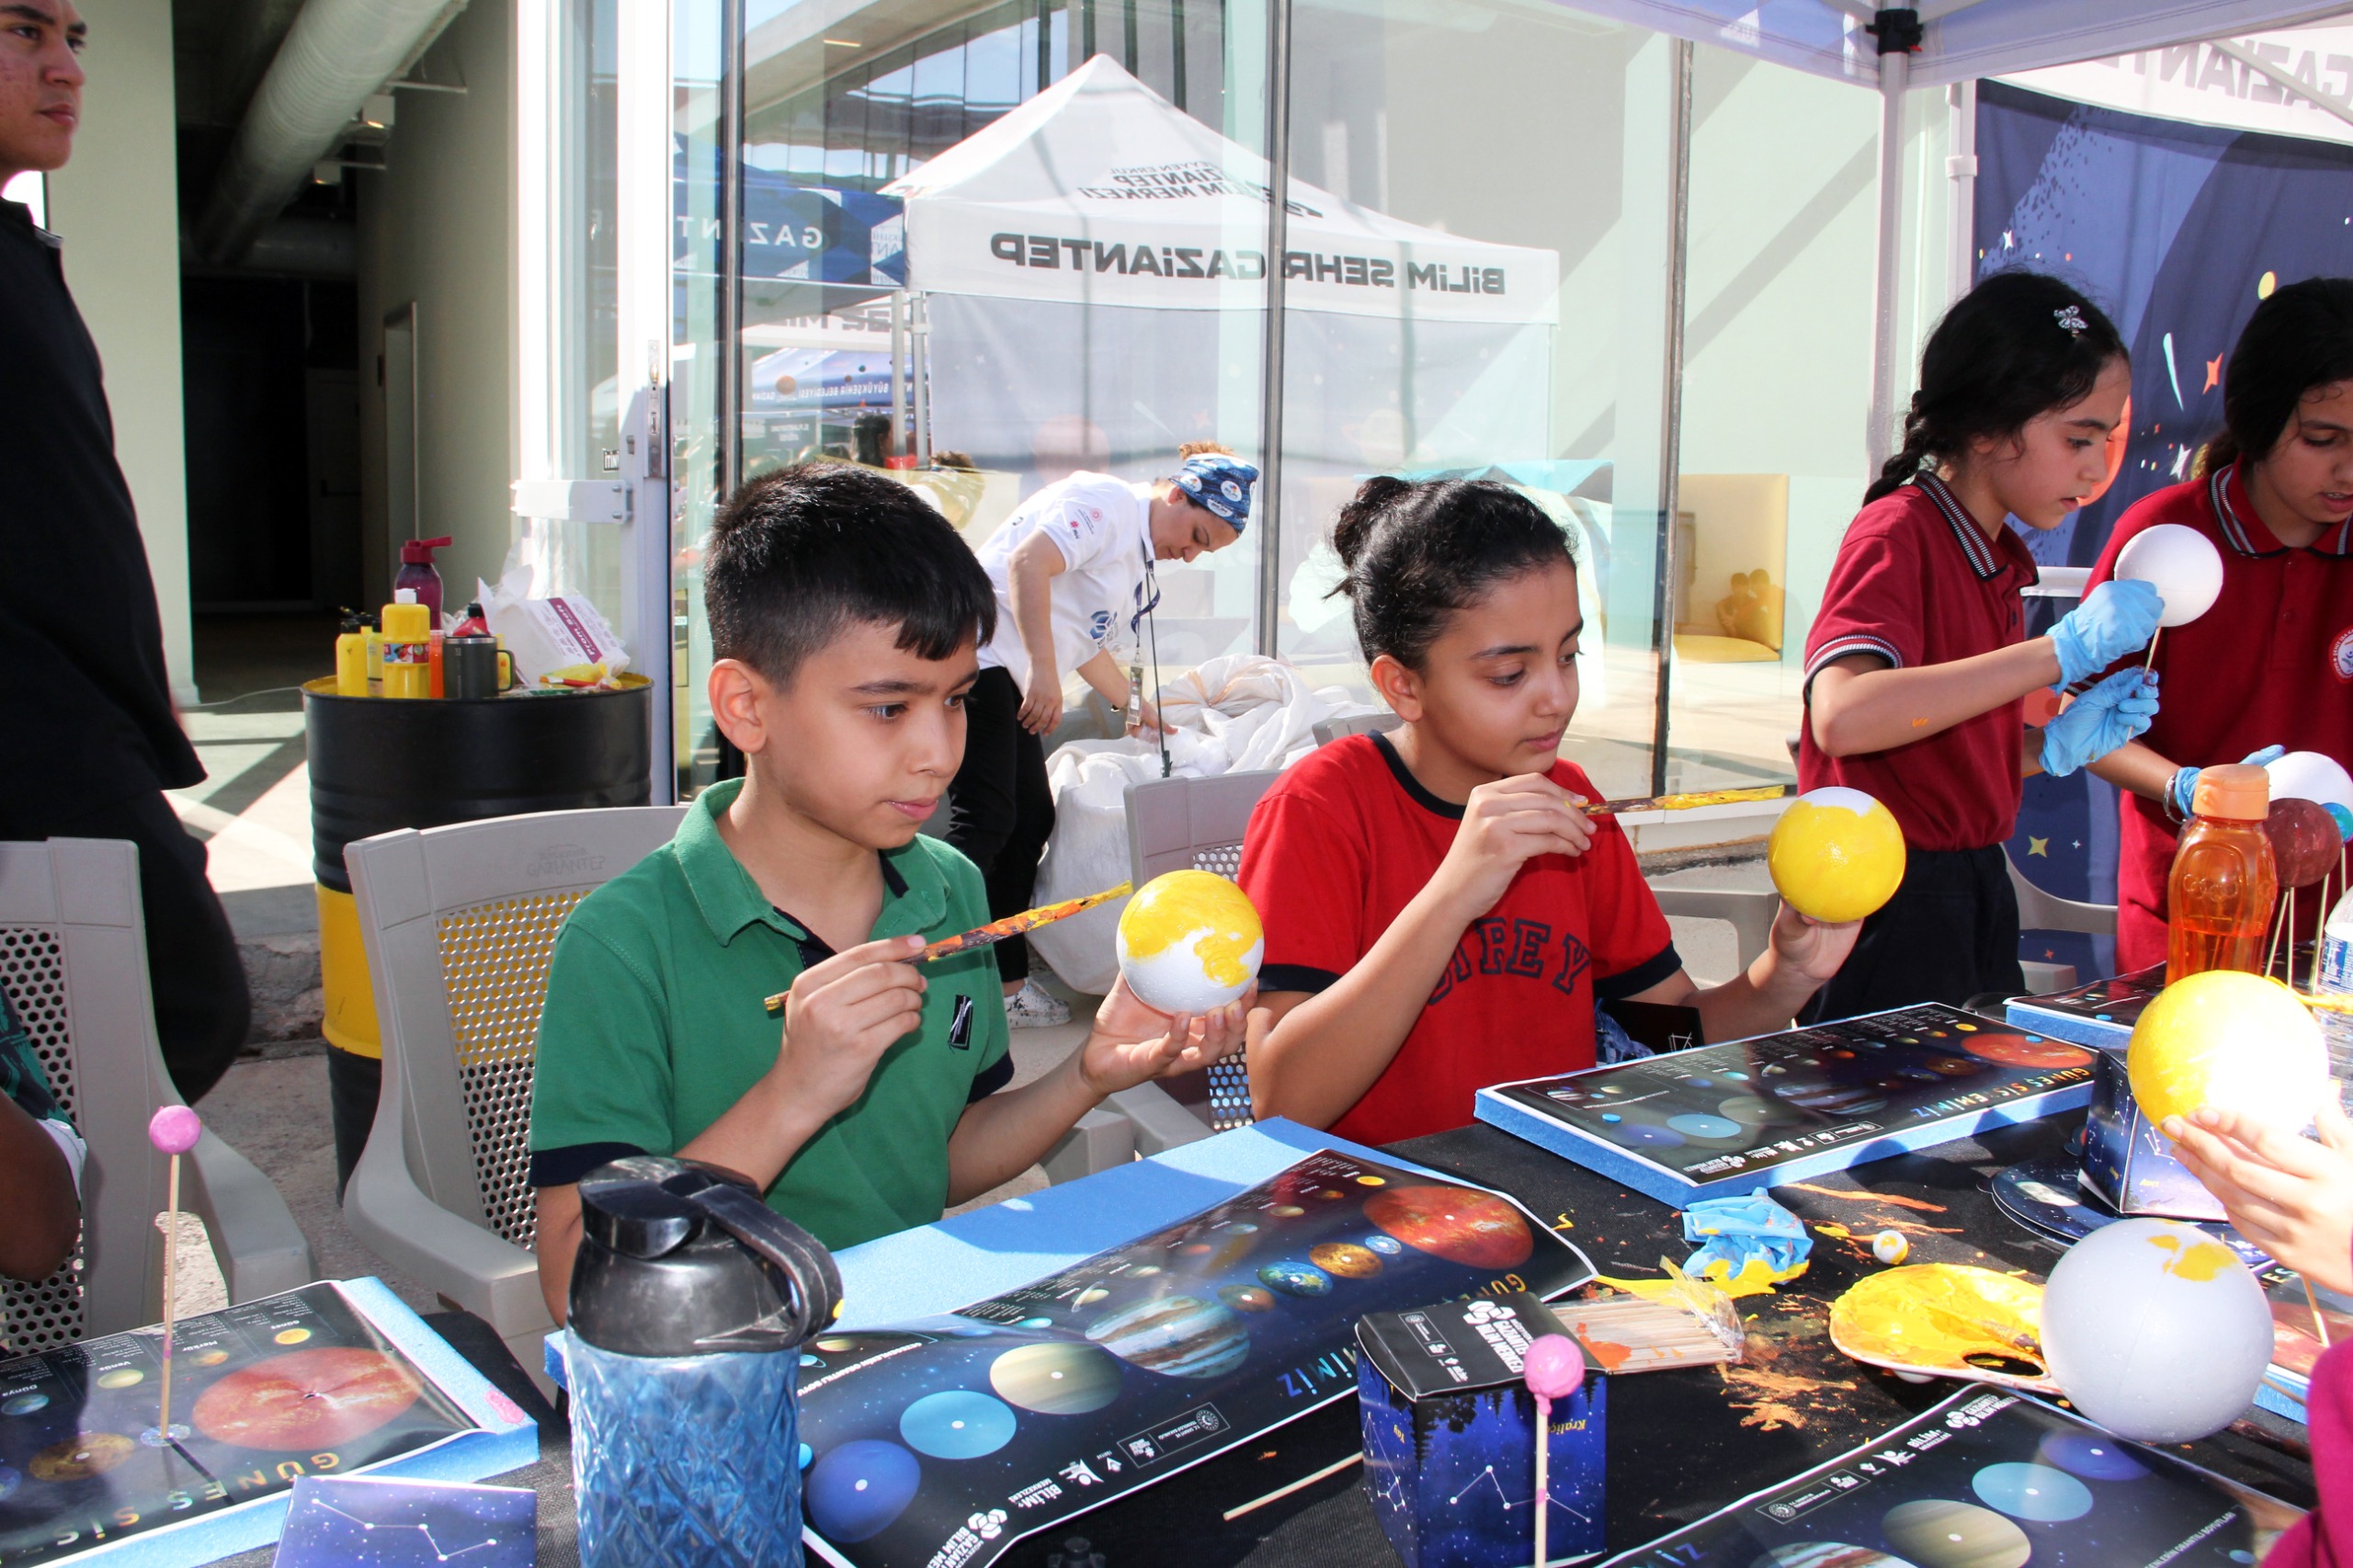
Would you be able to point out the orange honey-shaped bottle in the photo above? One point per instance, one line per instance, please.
(2218, 898)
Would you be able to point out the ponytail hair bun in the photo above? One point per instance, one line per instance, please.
(2012, 348)
(1417, 552)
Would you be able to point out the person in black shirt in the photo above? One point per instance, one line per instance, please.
(85, 712)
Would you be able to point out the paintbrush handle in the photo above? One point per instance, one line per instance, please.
(995, 931)
(1687, 801)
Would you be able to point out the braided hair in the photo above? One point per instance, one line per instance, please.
(2299, 338)
(2014, 348)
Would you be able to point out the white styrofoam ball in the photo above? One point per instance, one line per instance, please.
(2310, 776)
(2180, 563)
(2156, 1330)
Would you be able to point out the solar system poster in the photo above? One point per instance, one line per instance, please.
(1986, 1480)
(271, 1390)
(937, 1444)
(1782, 1106)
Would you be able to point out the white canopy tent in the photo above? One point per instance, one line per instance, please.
(1940, 42)
(1066, 250)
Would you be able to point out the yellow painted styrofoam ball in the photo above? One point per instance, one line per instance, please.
(2227, 1039)
(1836, 855)
(1190, 942)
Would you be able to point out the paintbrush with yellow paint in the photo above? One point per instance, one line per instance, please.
(995, 931)
(1688, 800)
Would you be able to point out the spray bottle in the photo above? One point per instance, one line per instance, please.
(417, 572)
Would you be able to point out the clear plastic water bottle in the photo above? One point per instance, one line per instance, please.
(689, 1303)
(2334, 972)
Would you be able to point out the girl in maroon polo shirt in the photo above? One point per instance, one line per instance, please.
(1917, 666)
(2270, 666)
(1439, 916)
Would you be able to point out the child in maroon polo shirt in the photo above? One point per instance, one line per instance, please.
(1917, 666)
(2270, 666)
(1439, 916)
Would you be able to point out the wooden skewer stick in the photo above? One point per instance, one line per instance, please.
(173, 1131)
(2320, 1324)
(2149, 663)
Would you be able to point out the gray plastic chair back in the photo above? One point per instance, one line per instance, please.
(1326, 730)
(2040, 911)
(1178, 824)
(73, 958)
(459, 924)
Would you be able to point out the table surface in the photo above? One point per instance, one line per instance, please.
(1681, 1444)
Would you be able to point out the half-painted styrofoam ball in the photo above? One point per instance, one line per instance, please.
(1836, 854)
(1189, 942)
(2241, 1042)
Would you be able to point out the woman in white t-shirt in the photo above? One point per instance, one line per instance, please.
(1074, 574)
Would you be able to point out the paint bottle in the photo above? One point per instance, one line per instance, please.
(2218, 898)
(373, 625)
(351, 658)
(408, 647)
(433, 661)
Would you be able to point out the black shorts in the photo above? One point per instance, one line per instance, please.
(1950, 933)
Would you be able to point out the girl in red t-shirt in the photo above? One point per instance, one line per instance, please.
(2270, 664)
(1439, 916)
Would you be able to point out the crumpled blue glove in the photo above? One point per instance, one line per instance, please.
(2116, 619)
(2185, 779)
(2099, 721)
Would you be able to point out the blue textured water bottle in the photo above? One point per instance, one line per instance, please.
(690, 1300)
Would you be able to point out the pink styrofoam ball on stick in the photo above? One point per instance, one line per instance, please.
(1554, 1368)
(175, 1130)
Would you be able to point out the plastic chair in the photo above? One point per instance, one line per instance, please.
(1326, 730)
(459, 924)
(73, 958)
(2041, 911)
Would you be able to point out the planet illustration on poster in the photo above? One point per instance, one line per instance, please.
(1827, 1554)
(857, 1490)
(1705, 1127)
(9, 1481)
(1178, 1336)
(1246, 1297)
(957, 1423)
(1286, 1210)
(1056, 1379)
(1475, 1229)
(121, 1377)
(1296, 1278)
(1644, 1135)
(24, 1403)
(81, 1457)
(2026, 1051)
(2034, 1492)
(1938, 1533)
(1387, 1246)
(1344, 1260)
(307, 1398)
(2094, 1458)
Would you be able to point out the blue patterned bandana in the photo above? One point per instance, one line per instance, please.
(1220, 485)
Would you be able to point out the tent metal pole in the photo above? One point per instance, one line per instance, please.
(1961, 200)
(1894, 76)
(1670, 445)
(899, 442)
(731, 251)
(1268, 523)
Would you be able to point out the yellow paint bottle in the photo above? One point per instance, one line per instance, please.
(351, 659)
(408, 647)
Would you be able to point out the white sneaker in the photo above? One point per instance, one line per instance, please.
(1034, 1008)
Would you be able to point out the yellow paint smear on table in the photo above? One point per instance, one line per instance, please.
(1871, 1197)
(2198, 1261)
(1182, 903)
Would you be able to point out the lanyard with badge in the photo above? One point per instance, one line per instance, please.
(1148, 602)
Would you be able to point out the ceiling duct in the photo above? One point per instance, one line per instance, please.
(336, 55)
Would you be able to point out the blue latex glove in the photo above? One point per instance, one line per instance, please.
(2116, 619)
(2185, 780)
(2099, 721)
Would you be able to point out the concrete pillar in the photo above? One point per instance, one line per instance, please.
(117, 204)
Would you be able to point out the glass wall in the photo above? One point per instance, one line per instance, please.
(960, 253)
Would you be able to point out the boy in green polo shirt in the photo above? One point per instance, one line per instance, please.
(846, 616)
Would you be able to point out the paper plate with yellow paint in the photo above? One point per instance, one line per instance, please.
(1946, 1320)
(1190, 942)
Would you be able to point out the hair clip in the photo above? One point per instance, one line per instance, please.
(2073, 320)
